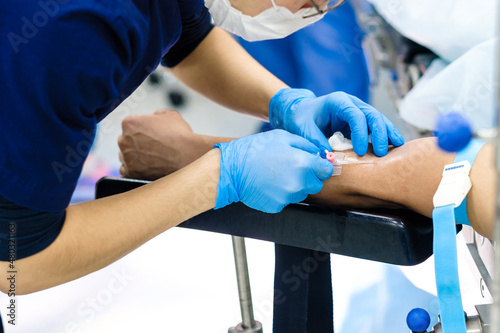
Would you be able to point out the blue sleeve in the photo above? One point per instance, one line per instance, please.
(196, 24)
(24, 231)
(54, 84)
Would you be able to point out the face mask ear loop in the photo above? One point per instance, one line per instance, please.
(279, 9)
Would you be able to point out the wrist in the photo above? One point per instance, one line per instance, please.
(195, 146)
(209, 176)
(226, 188)
(207, 142)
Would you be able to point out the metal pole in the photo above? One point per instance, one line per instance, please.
(248, 324)
(240, 260)
(496, 282)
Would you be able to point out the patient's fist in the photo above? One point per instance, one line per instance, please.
(152, 146)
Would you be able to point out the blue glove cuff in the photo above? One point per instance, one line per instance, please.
(282, 101)
(226, 192)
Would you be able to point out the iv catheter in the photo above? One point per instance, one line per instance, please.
(339, 159)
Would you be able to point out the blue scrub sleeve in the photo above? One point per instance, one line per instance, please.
(55, 86)
(195, 27)
(25, 231)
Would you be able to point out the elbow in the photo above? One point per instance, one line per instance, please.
(4, 287)
(18, 281)
(9, 283)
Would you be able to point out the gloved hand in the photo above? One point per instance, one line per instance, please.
(299, 111)
(270, 170)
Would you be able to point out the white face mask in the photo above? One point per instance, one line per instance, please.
(273, 23)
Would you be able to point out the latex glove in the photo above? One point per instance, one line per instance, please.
(270, 170)
(299, 111)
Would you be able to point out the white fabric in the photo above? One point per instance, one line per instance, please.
(467, 85)
(273, 23)
(448, 27)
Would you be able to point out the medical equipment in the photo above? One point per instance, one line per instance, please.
(421, 85)
(450, 208)
(496, 286)
(339, 159)
(418, 320)
(339, 143)
(386, 48)
(248, 323)
(488, 318)
(448, 27)
(330, 156)
(453, 131)
(466, 85)
(451, 192)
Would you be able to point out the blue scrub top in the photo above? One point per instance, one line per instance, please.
(64, 65)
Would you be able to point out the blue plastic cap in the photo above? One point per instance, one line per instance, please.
(418, 320)
(453, 131)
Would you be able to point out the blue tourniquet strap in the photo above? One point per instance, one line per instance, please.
(445, 256)
(467, 154)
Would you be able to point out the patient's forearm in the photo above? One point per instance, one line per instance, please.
(408, 177)
(404, 177)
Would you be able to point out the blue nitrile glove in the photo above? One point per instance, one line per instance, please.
(270, 170)
(299, 111)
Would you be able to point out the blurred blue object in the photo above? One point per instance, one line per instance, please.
(453, 130)
(324, 57)
(418, 320)
(384, 305)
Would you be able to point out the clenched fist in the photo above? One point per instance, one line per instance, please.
(153, 146)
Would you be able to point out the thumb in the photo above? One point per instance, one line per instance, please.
(323, 169)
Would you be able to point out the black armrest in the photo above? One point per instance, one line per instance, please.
(398, 237)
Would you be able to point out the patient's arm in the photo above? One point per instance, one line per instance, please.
(158, 144)
(409, 176)
(155, 145)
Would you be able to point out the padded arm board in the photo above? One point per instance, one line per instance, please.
(398, 237)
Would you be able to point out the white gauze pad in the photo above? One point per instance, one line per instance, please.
(338, 142)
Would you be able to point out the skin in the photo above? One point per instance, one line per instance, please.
(214, 69)
(253, 8)
(99, 232)
(410, 182)
(410, 174)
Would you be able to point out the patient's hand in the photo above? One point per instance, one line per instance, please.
(155, 145)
